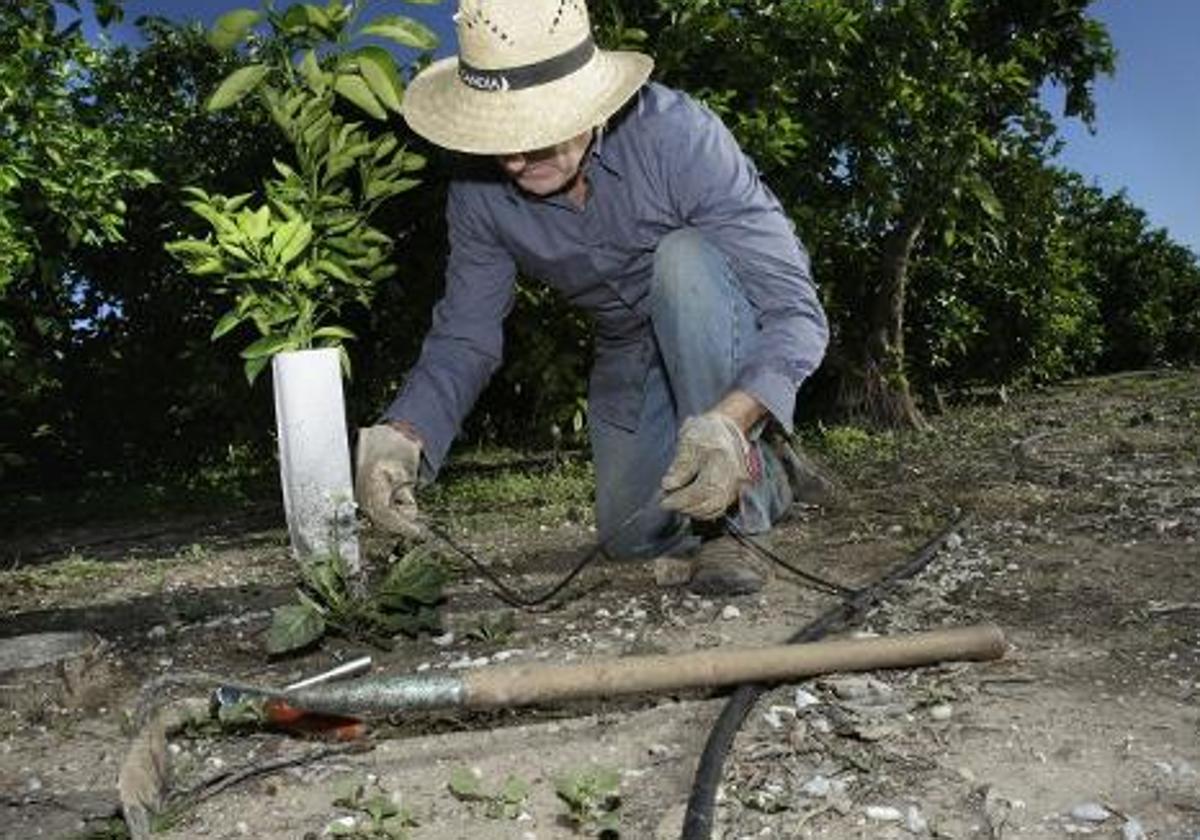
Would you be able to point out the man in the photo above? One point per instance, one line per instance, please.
(635, 203)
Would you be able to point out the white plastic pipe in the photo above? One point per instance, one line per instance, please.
(314, 456)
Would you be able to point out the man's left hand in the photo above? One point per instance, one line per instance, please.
(710, 467)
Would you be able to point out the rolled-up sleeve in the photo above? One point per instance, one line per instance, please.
(715, 188)
(465, 342)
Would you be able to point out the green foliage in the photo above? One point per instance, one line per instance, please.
(377, 816)
(872, 143)
(62, 175)
(593, 799)
(405, 601)
(506, 802)
(293, 258)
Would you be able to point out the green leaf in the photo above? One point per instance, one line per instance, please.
(296, 244)
(515, 790)
(266, 346)
(465, 785)
(232, 27)
(379, 807)
(255, 224)
(379, 69)
(236, 85)
(227, 322)
(356, 90)
(402, 30)
(347, 791)
(416, 577)
(317, 78)
(293, 626)
(334, 332)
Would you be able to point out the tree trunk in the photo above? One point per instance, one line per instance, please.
(875, 388)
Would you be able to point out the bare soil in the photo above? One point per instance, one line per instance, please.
(1082, 542)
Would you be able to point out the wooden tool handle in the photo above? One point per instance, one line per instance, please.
(517, 685)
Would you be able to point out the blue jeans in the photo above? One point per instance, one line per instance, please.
(703, 325)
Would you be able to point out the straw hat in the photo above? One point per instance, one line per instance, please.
(527, 76)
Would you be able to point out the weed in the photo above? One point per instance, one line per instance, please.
(494, 627)
(508, 802)
(593, 799)
(405, 601)
(376, 817)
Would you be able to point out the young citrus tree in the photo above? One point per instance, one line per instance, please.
(293, 256)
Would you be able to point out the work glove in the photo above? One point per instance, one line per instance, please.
(710, 469)
(387, 462)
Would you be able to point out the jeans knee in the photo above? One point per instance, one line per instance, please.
(686, 265)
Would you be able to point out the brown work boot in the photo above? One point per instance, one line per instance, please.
(724, 567)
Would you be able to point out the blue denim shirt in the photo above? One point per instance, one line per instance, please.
(666, 162)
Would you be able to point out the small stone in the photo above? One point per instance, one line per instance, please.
(941, 712)
(883, 813)
(804, 699)
(818, 787)
(1132, 830)
(954, 541)
(1090, 812)
(242, 828)
(33, 784)
(157, 633)
(821, 724)
(914, 821)
(444, 640)
(729, 612)
(776, 715)
(865, 690)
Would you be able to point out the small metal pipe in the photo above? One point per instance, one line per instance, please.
(339, 672)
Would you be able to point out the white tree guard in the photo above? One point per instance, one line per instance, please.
(314, 455)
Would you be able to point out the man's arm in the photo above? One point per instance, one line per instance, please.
(465, 342)
(715, 188)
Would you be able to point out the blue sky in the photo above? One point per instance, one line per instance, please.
(1147, 138)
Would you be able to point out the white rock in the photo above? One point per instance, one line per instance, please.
(445, 639)
(157, 632)
(817, 787)
(804, 699)
(883, 813)
(954, 541)
(729, 612)
(821, 725)
(341, 822)
(776, 716)
(1090, 812)
(242, 828)
(1132, 830)
(941, 712)
(867, 690)
(913, 820)
(33, 784)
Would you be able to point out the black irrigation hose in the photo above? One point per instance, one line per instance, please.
(698, 820)
(513, 598)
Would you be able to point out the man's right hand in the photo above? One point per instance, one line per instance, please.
(386, 476)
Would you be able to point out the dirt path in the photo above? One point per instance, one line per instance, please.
(1082, 544)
